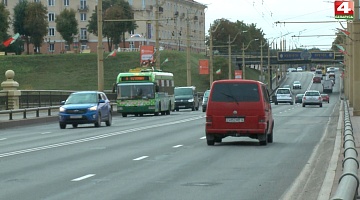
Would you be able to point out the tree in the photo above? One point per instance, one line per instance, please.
(18, 23)
(67, 25)
(36, 23)
(4, 23)
(113, 9)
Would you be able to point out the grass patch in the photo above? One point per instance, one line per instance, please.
(80, 71)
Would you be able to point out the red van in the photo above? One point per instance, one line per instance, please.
(239, 108)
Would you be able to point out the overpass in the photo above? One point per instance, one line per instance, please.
(290, 57)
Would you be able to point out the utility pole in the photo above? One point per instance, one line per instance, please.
(211, 53)
(356, 59)
(157, 46)
(100, 49)
(229, 58)
(188, 64)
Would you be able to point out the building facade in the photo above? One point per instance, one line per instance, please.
(179, 21)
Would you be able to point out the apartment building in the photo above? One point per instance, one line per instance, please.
(179, 21)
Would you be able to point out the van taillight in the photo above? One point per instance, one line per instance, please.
(208, 119)
(262, 119)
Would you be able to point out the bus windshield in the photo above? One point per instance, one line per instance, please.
(135, 91)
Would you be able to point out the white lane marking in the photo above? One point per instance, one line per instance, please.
(45, 133)
(2, 139)
(177, 146)
(140, 158)
(83, 177)
(88, 139)
(202, 138)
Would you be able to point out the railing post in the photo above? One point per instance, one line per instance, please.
(10, 115)
(37, 112)
(24, 114)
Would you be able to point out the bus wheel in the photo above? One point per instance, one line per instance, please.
(124, 115)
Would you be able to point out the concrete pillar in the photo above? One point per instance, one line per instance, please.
(10, 89)
(350, 66)
(356, 68)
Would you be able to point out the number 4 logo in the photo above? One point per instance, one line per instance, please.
(344, 8)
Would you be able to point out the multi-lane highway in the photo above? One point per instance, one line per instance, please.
(166, 157)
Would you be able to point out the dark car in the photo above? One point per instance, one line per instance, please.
(85, 107)
(186, 97)
(317, 79)
(325, 97)
(205, 100)
(298, 98)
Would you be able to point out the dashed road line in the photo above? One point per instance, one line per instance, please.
(140, 158)
(83, 177)
(177, 146)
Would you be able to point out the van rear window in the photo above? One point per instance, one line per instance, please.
(235, 92)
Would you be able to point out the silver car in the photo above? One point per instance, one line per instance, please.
(312, 97)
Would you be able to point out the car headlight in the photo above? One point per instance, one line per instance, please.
(94, 108)
(62, 109)
(191, 100)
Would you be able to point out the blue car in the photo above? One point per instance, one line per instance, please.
(86, 107)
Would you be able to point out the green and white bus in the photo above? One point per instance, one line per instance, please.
(142, 91)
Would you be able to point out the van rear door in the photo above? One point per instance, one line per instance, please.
(235, 106)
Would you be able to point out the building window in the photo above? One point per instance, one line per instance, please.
(83, 34)
(66, 3)
(83, 4)
(83, 16)
(51, 2)
(51, 17)
(51, 47)
(51, 32)
(4, 2)
(37, 1)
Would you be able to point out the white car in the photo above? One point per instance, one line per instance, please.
(299, 69)
(296, 85)
(312, 97)
(284, 95)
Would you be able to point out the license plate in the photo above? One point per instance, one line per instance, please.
(76, 116)
(181, 106)
(234, 119)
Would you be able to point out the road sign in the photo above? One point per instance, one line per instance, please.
(344, 10)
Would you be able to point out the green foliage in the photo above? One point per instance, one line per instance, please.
(4, 23)
(67, 25)
(36, 22)
(79, 71)
(19, 25)
(113, 10)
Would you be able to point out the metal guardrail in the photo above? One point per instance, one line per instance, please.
(25, 111)
(349, 181)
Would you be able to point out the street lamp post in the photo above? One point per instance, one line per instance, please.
(230, 42)
(268, 67)
(261, 61)
(243, 56)
(211, 53)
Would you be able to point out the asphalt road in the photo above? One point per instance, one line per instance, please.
(166, 157)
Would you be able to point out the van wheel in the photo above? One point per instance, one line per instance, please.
(270, 136)
(291, 103)
(263, 139)
(210, 140)
(218, 139)
(320, 105)
(276, 103)
(74, 125)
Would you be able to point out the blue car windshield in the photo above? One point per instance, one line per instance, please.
(81, 98)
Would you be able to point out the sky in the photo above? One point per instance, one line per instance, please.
(265, 14)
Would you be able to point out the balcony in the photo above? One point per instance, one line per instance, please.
(83, 37)
(83, 8)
